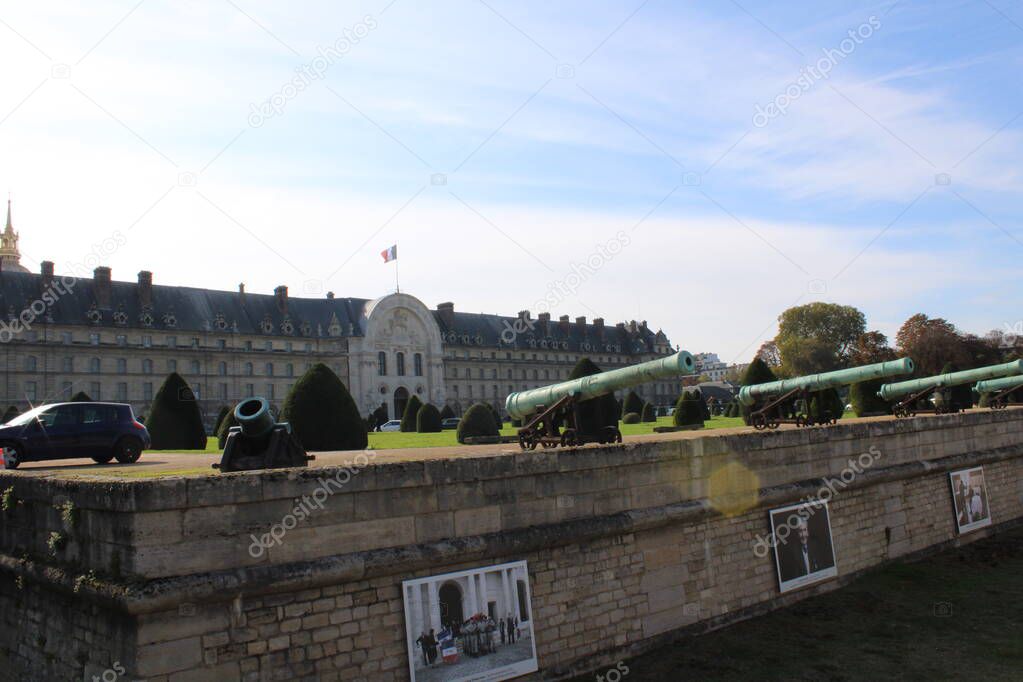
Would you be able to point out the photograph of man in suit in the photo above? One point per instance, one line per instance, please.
(803, 546)
(969, 495)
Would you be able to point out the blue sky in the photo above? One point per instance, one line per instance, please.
(502, 145)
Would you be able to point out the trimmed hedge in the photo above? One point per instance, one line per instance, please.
(428, 419)
(322, 413)
(408, 417)
(595, 414)
(477, 421)
(757, 373)
(447, 413)
(631, 418)
(224, 410)
(225, 425)
(81, 397)
(174, 421)
(11, 413)
(648, 414)
(865, 400)
(826, 403)
(496, 415)
(688, 411)
(632, 403)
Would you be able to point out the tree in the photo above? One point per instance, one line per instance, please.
(865, 401)
(408, 418)
(931, 343)
(869, 348)
(597, 413)
(687, 410)
(81, 397)
(224, 410)
(757, 373)
(825, 405)
(648, 414)
(175, 422)
(478, 421)
(322, 413)
(11, 413)
(631, 418)
(768, 352)
(962, 395)
(428, 419)
(633, 403)
(447, 413)
(496, 415)
(818, 337)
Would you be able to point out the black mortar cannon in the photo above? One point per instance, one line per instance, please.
(258, 442)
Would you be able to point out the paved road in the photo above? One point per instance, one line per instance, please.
(190, 464)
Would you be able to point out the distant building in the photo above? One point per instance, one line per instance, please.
(710, 366)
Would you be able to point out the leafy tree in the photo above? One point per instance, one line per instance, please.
(11, 413)
(633, 403)
(931, 343)
(648, 414)
(447, 413)
(961, 396)
(818, 337)
(757, 373)
(224, 410)
(81, 397)
(871, 347)
(630, 418)
(175, 422)
(322, 413)
(477, 421)
(408, 418)
(225, 425)
(428, 419)
(598, 412)
(768, 352)
(826, 404)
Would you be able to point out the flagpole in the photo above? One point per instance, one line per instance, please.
(397, 287)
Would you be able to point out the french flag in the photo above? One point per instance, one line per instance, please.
(390, 254)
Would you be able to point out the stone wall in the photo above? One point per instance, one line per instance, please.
(626, 545)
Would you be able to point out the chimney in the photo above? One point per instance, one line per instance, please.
(563, 322)
(581, 323)
(330, 295)
(146, 288)
(598, 324)
(47, 272)
(101, 286)
(524, 315)
(632, 327)
(281, 296)
(241, 289)
(447, 313)
(545, 319)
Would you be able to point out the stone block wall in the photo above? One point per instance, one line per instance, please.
(627, 546)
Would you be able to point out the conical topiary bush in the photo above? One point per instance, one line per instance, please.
(428, 419)
(408, 417)
(477, 421)
(322, 413)
(174, 421)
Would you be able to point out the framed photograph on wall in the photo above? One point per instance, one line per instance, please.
(803, 551)
(474, 625)
(970, 500)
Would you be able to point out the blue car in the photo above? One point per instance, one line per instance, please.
(102, 431)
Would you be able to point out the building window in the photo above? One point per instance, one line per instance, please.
(94, 391)
(172, 365)
(223, 391)
(400, 362)
(147, 391)
(269, 392)
(30, 363)
(195, 367)
(122, 391)
(417, 364)
(195, 342)
(172, 342)
(250, 390)
(30, 391)
(269, 369)
(65, 389)
(289, 370)
(68, 364)
(493, 374)
(147, 366)
(308, 347)
(222, 369)
(248, 345)
(122, 340)
(288, 346)
(197, 391)
(94, 339)
(509, 374)
(94, 365)
(269, 345)
(248, 369)
(382, 364)
(122, 366)
(66, 337)
(147, 341)
(481, 372)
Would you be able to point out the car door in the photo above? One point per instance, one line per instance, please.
(54, 435)
(98, 424)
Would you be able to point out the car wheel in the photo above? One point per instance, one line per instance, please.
(14, 457)
(128, 450)
(102, 459)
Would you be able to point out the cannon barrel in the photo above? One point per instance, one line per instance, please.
(524, 403)
(253, 415)
(994, 385)
(818, 382)
(968, 376)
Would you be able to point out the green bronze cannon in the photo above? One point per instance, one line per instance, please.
(259, 442)
(909, 393)
(777, 401)
(551, 414)
(1001, 390)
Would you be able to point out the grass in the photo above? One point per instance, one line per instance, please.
(953, 616)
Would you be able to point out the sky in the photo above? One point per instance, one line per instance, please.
(700, 165)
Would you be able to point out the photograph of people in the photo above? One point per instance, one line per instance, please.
(803, 550)
(969, 495)
(471, 625)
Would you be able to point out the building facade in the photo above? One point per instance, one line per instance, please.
(119, 340)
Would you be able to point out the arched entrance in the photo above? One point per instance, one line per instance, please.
(400, 400)
(450, 605)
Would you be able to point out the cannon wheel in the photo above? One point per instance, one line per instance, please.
(773, 423)
(526, 441)
(568, 438)
(758, 421)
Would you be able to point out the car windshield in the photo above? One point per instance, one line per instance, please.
(25, 418)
